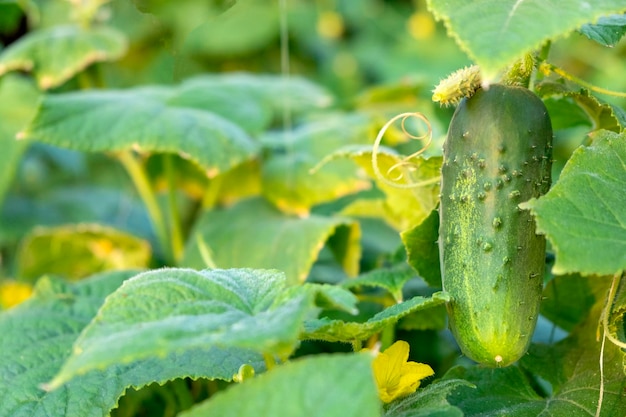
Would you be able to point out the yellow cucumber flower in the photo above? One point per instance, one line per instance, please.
(395, 375)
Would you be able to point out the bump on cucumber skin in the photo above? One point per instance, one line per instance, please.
(498, 154)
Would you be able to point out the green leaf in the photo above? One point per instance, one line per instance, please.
(77, 251)
(39, 337)
(176, 311)
(288, 179)
(222, 36)
(402, 208)
(567, 299)
(56, 54)
(570, 366)
(422, 249)
(583, 215)
(340, 385)
(17, 102)
(617, 312)
(495, 33)
(391, 279)
(254, 234)
(252, 101)
(342, 331)
(142, 120)
(607, 31)
(429, 401)
(601, 115)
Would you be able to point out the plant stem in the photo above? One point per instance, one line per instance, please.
(142, 184)
(547, 68)
(174, 223)
(357, 345)
(387, 337)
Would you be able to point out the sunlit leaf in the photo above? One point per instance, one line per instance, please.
(176, 311)
(583, 214)
(56, 54)
(77, 251)
(340, 385)
(607, 31)
(494, 33)
(254, 234)
(343, 331)
(402, 208)
(288, 181)
(17, 103)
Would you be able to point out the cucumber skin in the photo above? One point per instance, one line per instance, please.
(498, 154)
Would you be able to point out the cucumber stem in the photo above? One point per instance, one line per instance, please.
(174, 223)
(142, 184)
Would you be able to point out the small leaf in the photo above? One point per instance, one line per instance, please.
(582, 215)
(254, 234)
(422, 249)
(342, 331)
(77, 251)
(142, 120)
(513, 28)
(56, 54)
(390, 279)
(18, 98)
(607, 31)
(177, 311)
(340, 385)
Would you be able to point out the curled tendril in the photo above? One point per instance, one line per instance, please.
(405, 163)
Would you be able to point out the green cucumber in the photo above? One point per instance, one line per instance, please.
(496, 156)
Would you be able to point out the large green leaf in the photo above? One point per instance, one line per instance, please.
(254, 234)
(494, 33)
(139, 119)
(334, 330)
(17, 104)
(569, 366)
(77, 251)
(38, 337)
(390, 279)
(252, 101)
(340, 385)
(583, 215)
(56, 54)
(177, 311)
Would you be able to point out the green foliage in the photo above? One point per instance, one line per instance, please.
(223, 150)
(518, 26)
(56, 54)
(582, 215)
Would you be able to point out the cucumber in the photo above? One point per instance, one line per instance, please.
(498, 154)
